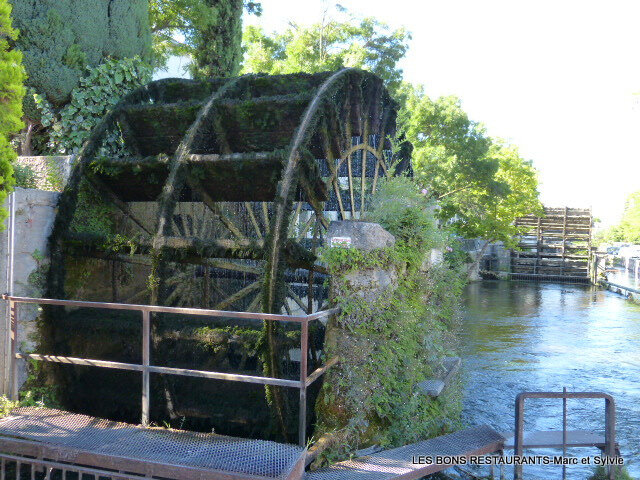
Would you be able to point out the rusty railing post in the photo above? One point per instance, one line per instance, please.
(564, 431)
(304, 353)
(610, 432)
(146, 359)
(519, 438)
(13, 372)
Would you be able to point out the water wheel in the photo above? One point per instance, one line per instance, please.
(223, 189)
(228, 185)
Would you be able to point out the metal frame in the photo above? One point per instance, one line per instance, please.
(610, 422)
(147, 368)
(39, 456)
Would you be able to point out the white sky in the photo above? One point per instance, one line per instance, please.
(556, 78)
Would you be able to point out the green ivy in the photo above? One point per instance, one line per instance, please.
(98, 92)
(409, 329)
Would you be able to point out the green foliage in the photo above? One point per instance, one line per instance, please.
(96, 94)
(34, 393)
(409, 215)
(329, 45)
(12, 91)
(24, 176)
(210, 31)
(92, 214)
(218, 43)
(602, 474)
(481, 185)
(6, 406)
(60, 39)
(407, 330)
(628, 230)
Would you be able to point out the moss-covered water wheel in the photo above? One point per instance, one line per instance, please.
(224, 190)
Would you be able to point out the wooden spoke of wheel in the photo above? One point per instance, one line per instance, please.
(363, 169)
(332, 168)
(296, 298)
(287, 308)
(122, 206)
(294, 220)
(305, 228)
(255, 304)
(311, 271)
(239, 295)
(138, 294)
(349, 169)
(237, 267)
(265, 213)
(215, 209)
(254, 220)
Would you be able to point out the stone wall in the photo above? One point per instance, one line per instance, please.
(34, 213)
(347, 385)
(51, 172)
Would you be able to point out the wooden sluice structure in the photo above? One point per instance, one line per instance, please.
(555, 246)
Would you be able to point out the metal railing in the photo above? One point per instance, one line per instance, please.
(609, 428)
(18, 467)
(146, 368)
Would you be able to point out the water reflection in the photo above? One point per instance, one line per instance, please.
(542, 337)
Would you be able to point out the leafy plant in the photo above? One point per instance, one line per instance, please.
(407, 213)
(95, 95)
(209, 31)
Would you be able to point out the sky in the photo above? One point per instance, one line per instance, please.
(556, 78)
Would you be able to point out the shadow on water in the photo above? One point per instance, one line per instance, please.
(521, 336)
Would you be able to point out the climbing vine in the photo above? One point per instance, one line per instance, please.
(403, 332)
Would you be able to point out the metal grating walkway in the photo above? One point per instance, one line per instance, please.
(62, 436)
(398, 462)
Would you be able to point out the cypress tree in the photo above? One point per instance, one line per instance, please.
(61, 38)
(218, 40)
(11, 93)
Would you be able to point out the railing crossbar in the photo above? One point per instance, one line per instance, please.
(146, 368)
(609, 424)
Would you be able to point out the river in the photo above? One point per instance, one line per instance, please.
(519, 336)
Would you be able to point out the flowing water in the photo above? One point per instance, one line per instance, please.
(521, 336)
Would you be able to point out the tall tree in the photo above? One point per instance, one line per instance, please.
(328, 45)
(481, 185)
(61, 39)
(630, 224)
(209, 31)
(12, 91)
(450, 150)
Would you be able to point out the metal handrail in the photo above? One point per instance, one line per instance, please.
(610, 422)
(146, 368)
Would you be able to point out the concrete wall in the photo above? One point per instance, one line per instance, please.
(34, 213)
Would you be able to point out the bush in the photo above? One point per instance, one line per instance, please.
(408, 215)
(601, 474)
